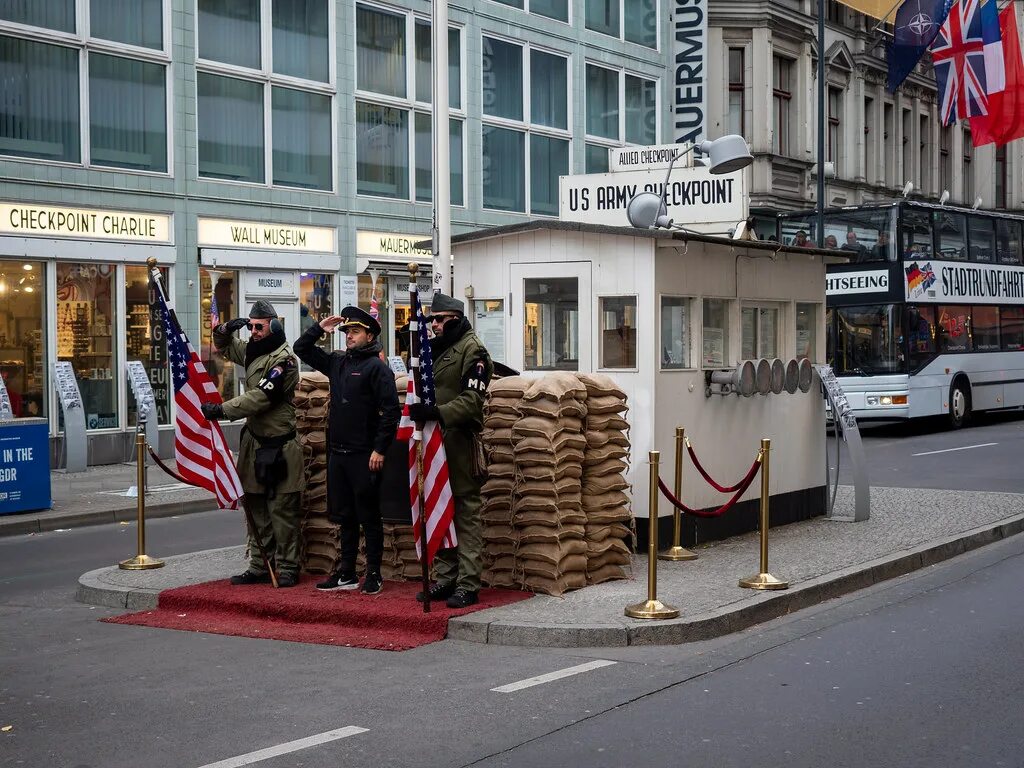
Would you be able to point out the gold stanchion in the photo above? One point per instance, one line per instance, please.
(141, 561)
(652, 607)
(677, 552)
(764, 580)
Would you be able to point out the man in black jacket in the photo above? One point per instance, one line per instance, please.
(363, 420)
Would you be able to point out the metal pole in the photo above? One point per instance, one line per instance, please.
(820, 218)
(442, 180)
(764, 580)
(652, 607)
(141, 561)
(677, 552)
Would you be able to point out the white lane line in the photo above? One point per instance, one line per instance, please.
(541, 679)
(948, 450)
(284, 749)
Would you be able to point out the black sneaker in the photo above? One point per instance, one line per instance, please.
(338, 580)
(287, 580)
(251, 577)
(438, 591)
(462, 598)
(372, 584)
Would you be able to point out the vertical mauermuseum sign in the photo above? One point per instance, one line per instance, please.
(689, 68)
(224, 233)
(23, 219)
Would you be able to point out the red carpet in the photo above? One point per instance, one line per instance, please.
(390, 621)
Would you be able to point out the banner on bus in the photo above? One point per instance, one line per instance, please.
(849, 284)
(926, 280)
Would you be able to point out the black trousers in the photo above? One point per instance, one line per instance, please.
(353, 496)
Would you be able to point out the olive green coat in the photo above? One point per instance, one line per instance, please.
(262, 417)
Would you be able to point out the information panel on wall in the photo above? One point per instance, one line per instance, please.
(24, 466)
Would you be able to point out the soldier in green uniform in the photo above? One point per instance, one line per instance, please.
(269, 456)
(462, 371)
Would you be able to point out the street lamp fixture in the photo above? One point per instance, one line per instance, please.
(648, 210)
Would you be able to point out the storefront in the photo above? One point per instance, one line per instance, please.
(73, 287)
(293, 267)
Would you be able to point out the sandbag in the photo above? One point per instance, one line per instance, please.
(556, 386)
(556, 586)
(509, 386)
(538, 426)
(606, 404)
(599, 385)
(601, 421)
(605, 573)
(551, 409)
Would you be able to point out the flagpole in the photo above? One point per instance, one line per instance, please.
(820, 208)
(417, 435)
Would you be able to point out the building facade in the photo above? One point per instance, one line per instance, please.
(281, 150)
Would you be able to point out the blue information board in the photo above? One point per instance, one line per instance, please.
(24, 466)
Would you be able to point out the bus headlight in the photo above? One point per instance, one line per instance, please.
(886, 399)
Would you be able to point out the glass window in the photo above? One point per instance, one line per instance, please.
(302, 138)
(951, 235)
(145, 339)
(1011, 327)
(618, 331)
(22, 335)
(917, 233)
(641, 110)
(425, 164)
(135, 22)
(504, 162)
(835, 109)
(300, 39)
(382, 151)
(866, 234)
(489, 325)
(982, 238)
(52, 14)
(380, 52)
(551, 333)
(715, 338)
(675, 333)
(230, 123)
(984, 328)
(596, 159)
(869, 340)
(602, 102)
(502, 79)
(603, 16)
(217, 306)
(316, 301)
(806, 331)
(1007, 241)
(39, 117)
(549, 159)
(424, 77)
(641, 22)
(85, 317)
(549, 90)
(737, 92)
(920, 335)
(782, 96)
(513, 3)
(954, 329)
(760, 336)
(553, 9)
(127, 113)
(229, 31)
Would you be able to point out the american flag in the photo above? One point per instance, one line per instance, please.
(200, 450)
(437, 491)
(967, 66)
(214, 311)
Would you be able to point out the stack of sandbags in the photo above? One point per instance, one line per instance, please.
(320, 538)
(501, 412)
(547, 510)
(605, 500)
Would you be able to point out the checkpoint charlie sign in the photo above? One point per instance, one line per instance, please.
(649, 158)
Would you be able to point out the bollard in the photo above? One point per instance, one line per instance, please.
(652, 607)
(141, 561)
(677, 552)
(764, 580)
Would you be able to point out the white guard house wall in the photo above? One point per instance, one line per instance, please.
(492, 265)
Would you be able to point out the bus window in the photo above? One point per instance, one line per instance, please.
(1007, 241)
(868, 234)
(951, 234)
(985, 328)
(920, 335)
(797, 233)
(982, 238)
(868, 340)
(1011, 327)
(917, 233)
(954, 323)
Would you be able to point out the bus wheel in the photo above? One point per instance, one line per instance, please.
(959, 403)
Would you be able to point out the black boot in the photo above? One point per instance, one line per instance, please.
(462, 598)
(438, 591)
(251, 577)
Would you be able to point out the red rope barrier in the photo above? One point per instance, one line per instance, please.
(744, 485)
(706, 476)
(164, 467)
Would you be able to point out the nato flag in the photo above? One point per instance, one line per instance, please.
(917, 24)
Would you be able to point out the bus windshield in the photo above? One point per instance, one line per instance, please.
(869, 234)
(867, 340)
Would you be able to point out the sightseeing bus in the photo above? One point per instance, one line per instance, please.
(925, 317)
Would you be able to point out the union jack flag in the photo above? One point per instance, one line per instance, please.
(437, 491)
(959, 55)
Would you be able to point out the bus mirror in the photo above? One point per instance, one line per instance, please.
(792, 377)
(806, 377)
(764, 376)
(741, 380)
(778, 376)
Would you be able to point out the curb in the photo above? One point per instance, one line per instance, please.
(42, 522)
(93, 591)
(755, 610)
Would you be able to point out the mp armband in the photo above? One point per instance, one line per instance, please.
(477, 378)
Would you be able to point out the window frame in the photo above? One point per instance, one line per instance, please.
(599, 336)
(738, 87)
(782, 121)
(688, 313)
(622, 73)
(528, 9)
(758, 306)
(622, 27)
(727, 351)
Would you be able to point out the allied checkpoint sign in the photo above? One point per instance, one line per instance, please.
(694, 198)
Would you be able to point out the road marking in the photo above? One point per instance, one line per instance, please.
(284, 749)
(948, 450)
(541, 679)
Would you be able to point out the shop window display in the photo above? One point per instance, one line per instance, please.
(316, 292)
(85, 312)
(217, 307)
(145, 339)
(22, 333)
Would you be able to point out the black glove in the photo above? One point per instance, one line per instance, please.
(233, 326)
(212, 411)
(424, 412)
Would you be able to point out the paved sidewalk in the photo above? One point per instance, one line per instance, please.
(909, 529)
(100, 495)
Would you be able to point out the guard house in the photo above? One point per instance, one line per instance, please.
(660, 311)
